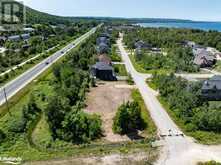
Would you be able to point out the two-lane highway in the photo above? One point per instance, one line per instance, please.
(20, 82)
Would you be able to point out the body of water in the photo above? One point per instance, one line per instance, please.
(190, 25)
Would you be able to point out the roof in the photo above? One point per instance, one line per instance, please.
(15, 37)
(104, 58)
(25, 36)
(29, 29)
(203, 55)
(18, 37)
(102, 40)
(141, 44)
(102, 66)
(213, 83)
(105, 35)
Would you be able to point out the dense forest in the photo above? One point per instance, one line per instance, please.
(184, 99)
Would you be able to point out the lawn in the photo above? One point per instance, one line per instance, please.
(140, 68)
(115, 57)
(217, 67)
(151, 130)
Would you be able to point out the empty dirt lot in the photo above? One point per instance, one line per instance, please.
(104, 100)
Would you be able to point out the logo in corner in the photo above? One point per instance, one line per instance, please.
(12, 15)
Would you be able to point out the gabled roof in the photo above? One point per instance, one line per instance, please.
(104, 58)
(213, 83)
(25, 36)
(15, 37)
(107, 35)
(102, 66)
(142, 44)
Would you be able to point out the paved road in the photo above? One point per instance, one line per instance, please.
(20, 82)
(177, 149)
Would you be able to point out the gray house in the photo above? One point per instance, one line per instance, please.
(103, 40)
(103, 71)
(103, 48)
(142, 45)
(204, 59)
(19, 37)
(211, 89)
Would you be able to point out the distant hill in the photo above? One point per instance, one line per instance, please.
(34, 16)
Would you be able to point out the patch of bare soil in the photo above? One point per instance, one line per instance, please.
(139, 158)
(104, 100)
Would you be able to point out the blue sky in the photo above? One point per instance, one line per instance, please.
(207, 10)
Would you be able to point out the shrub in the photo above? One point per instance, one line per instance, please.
(128, 118)
(80, 127)
(2, 136)
(130, 80)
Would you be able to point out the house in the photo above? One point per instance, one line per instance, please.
(141, 44)
(204, 59)
(28, 29)
(106, 35)
(105, 59)
(103, 48)
(19, 37)
(211, 89)
(103, 71)
(14, 38)
(103, 40)
(25, 36)
(189, 44)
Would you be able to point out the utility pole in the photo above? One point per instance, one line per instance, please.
(6, 100)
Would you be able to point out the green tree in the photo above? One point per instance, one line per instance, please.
(128, 119)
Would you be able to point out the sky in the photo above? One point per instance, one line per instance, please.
(199, 10)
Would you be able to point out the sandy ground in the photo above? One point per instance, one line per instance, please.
(104, 100)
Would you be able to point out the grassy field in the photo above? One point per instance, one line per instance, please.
(151, 130)
(140, 69)
(115, 57)
(120, 70)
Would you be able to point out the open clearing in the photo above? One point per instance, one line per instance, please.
(104, 100)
